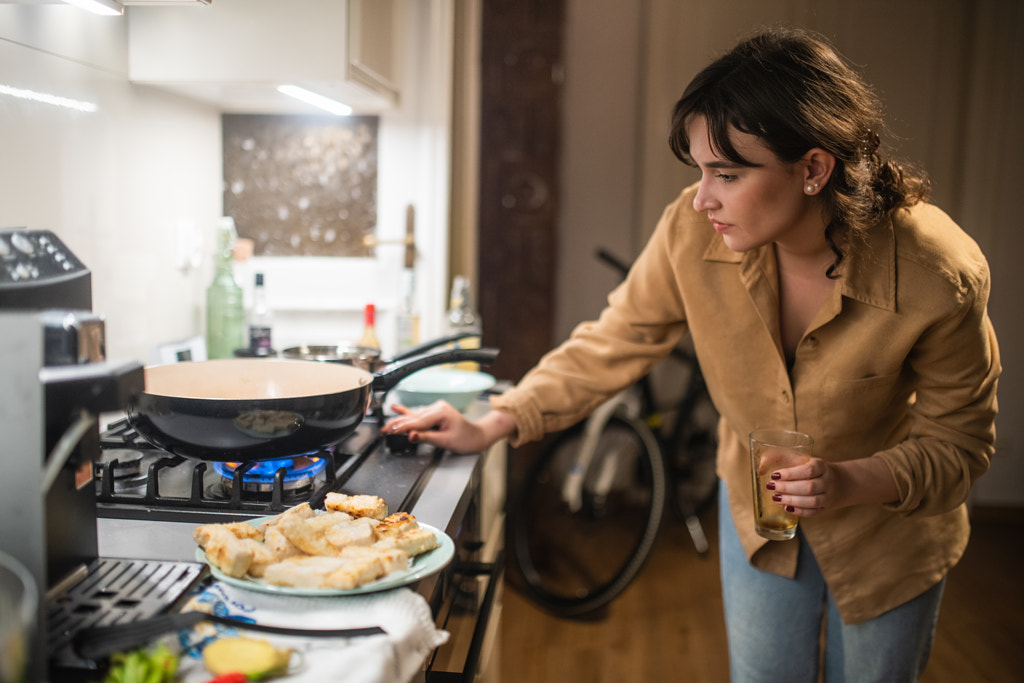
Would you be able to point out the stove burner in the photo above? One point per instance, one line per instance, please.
(176, 488)
(298, 473)
(127, 463)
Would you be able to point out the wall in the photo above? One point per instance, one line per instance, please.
(111, 184)
(116, 184)
(949, 71)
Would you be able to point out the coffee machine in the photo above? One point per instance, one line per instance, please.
(56, 382)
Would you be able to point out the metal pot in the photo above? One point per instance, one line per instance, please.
(365, 357)
(18, 611)
(246, 409)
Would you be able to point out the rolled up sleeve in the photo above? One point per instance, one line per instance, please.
(643, 321)
(952, 433)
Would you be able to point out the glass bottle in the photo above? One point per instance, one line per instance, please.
(462, 317)
(407, 322)
(369, 338)
(225, 311)
(259, 320)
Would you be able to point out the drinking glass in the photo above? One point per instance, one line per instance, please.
(771, 450)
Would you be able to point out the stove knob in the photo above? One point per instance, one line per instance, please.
(399, 443)
(22, 244)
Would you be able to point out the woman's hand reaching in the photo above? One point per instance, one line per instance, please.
(439, 424)
(816, 485)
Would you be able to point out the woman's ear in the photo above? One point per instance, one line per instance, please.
(818, 166)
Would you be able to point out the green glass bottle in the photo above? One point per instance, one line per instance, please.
(225, 311)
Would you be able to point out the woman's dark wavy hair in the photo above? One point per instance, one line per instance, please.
(792, 90)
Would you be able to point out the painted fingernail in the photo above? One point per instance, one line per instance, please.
(414, 437)
(777, 497)
(770, 486)
(790, 508)
(776, 475)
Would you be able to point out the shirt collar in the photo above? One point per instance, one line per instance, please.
(868, 272)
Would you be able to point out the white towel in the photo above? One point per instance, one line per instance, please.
(392, 658)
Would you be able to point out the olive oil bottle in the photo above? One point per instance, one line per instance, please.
(225, 309)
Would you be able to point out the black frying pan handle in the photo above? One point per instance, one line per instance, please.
(393, 373)
(433, 343)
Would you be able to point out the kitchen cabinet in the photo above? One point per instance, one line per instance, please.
(234, 53)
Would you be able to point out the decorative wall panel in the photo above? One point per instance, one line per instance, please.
(301, 185)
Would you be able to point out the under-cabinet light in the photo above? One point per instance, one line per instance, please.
(47, 98)
(309, 97)
(110, 8)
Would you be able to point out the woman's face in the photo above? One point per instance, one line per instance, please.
(751, 206)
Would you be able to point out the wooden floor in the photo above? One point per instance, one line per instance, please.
(668, 625)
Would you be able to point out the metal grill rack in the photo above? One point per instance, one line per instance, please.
(112, 591)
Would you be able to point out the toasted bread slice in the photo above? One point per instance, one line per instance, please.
(394, 524)
(201, 534)
(302, 572)
(324, 572)
(415, 541)
(357, 506)
(355, 533)
(227, 552)
(355, 572)
(393, 559)
(262, 557)
(328, 519)
(279, 545)
(305, 537)
(302, 511)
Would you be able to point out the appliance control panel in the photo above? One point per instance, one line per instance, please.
(28, 256)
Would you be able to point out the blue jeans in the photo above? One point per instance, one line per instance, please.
(773, 623)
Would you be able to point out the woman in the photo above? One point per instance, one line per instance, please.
(822, 294)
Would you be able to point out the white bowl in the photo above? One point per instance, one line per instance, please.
(458, 387)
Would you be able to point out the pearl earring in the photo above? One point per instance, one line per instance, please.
(811, 188)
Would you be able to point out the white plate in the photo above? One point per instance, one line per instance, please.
(420, 567)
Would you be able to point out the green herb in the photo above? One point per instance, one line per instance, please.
(155, 665)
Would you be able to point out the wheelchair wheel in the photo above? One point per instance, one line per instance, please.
(575, 561)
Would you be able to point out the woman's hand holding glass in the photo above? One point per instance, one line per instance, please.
(815, 486)
(806, 490)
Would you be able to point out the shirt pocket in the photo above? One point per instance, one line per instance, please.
(860, 416)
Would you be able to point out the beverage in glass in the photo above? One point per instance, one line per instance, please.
(772, 450)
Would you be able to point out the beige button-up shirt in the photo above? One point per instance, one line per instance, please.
(901, 363)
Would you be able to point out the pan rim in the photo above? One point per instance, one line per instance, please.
(333, 378)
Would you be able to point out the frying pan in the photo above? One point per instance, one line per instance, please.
(366, 357)
(248, 409)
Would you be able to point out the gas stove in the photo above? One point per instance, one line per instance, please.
(138, 481)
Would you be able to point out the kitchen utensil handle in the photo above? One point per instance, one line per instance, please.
(102, 641)
(289, 631)
(386, 379)
(432, 344)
